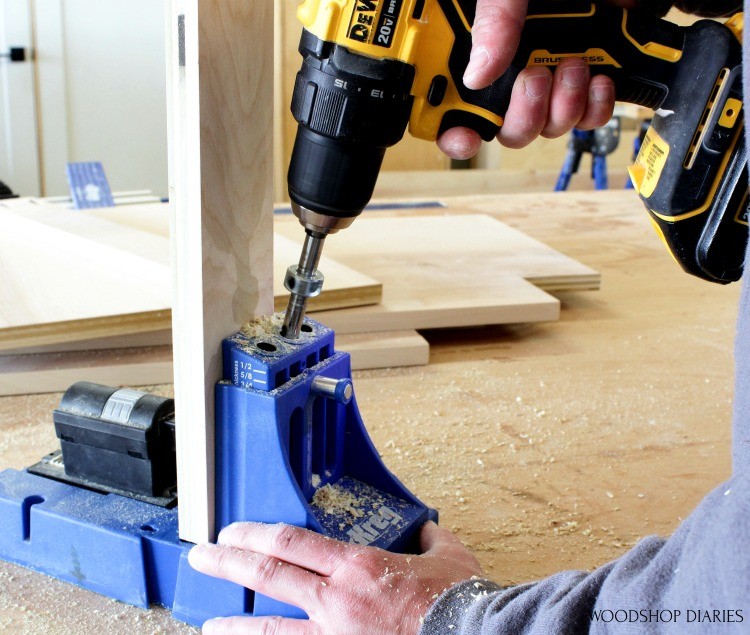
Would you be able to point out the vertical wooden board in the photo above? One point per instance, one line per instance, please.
(221, 187)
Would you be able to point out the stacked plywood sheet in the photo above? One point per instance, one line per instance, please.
(447, 271)
(77, 282)
(72, 276)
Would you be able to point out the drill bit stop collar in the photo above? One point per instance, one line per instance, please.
(304, 281)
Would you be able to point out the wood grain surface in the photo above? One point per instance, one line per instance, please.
(449, 270)
(221, 191)
(57, 290)
(107, 273)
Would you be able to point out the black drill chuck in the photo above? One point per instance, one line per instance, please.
(349, 108)
(332, 177)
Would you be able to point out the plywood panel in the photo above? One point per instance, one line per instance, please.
(437, 305)
(92, 237)
(55, 372)
(139, 366)
(51, 294)
(385, 350)
(106, 273)
(440, 271)
(443, 271)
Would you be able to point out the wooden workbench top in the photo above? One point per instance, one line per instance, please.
(544, 446)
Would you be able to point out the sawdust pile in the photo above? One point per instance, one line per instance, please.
(266, 325)
(335, 500)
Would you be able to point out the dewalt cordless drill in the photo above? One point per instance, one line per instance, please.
(370, 67)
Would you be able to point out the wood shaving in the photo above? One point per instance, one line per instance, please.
(266, 325)
(335, 500)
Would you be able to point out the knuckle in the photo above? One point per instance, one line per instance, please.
(223, 560)
(496, 31)
(284, 539)
(234, 533)
(372, 567)
(484, 29)
(353, 557)
(266, 569)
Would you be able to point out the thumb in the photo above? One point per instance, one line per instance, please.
(434, 539)
(495, 36)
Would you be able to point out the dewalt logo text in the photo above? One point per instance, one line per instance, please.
(363, 20)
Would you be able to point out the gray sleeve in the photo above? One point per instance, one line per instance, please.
(698, 581)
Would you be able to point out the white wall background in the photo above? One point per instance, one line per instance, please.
(100, 90)
(19, 159)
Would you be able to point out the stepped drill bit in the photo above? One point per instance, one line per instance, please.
(303, 281)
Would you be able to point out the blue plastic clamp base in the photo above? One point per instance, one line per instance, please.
(279, 441)
(116, 546)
